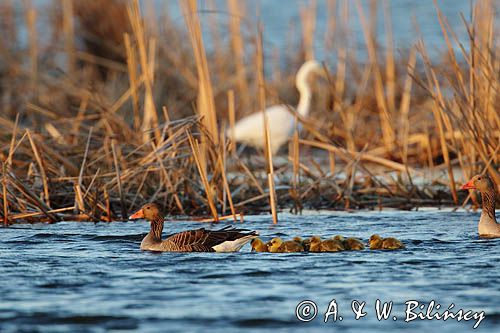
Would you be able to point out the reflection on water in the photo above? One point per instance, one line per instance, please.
(93, 277)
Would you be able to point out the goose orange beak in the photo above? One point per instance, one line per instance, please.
(137, 215)
(468, 186)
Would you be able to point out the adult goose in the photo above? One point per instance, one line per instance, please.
(227, 239)
(488, 226)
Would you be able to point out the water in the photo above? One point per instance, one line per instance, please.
(93, 277)
(411, 20)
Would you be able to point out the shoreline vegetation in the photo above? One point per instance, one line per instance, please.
(110, 106)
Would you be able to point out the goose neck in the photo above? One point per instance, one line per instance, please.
(488, 199)
(156, 229)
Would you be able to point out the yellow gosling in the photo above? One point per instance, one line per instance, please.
(339, 238)
(275, 245)
(304, 242)
(391, 243)
(353, 244)
(332, 245)
(378, 243)
(375, 242)
(315, 244)
(293, 246)
(279, 246)
(258, 245)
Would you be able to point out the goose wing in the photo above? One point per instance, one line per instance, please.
(203, 240)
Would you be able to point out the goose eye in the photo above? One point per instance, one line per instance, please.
(478, 178)
(147, 207)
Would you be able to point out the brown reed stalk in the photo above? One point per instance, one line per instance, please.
(404, 108)
(168, 181)
(150, 117)
(384, 112)
(118, 181)
(222, 166)
(295, 158)
(203, 175)
(31, 197)
(232, 119)
(206, 104)
(40, 163)
(69, 35)
(308, 20)
(12, 142)
(390, 68)
(108, 204)
(236, 10)
(170, 131)
(4, 195)
(272, 198)
(35, 214)
(132, 74)
(438, 112)
(250, 175)
(262, 104)
(31, 21)
(331, 25)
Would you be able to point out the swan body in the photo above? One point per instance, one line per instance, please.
(281, 121)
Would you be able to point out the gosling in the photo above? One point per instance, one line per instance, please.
(353, 244)
(279, 246)
(329, 245)
(350, 243)
(306, 243)
(378, 243)
(258, 245)
(315, 244)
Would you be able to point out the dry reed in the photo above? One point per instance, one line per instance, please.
(399, 130)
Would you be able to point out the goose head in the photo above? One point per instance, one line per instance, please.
(149, 211)
(482, 183)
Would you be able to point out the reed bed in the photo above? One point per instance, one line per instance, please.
(104, 112)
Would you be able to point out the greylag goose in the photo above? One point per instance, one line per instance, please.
(258, 245)
(277, 245)
(227, 239)
(378, 243)
(488, 226)
(250, 129)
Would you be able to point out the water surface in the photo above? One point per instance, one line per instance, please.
(86, 277)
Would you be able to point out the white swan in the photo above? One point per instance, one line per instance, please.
(250, 130)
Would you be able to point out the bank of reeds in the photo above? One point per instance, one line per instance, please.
(103, 112)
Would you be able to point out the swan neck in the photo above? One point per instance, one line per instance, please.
(156, 229)
(304, 100)
(488, 199)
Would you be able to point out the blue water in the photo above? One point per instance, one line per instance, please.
(86, 277)
(281, 22)
(411, 20)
